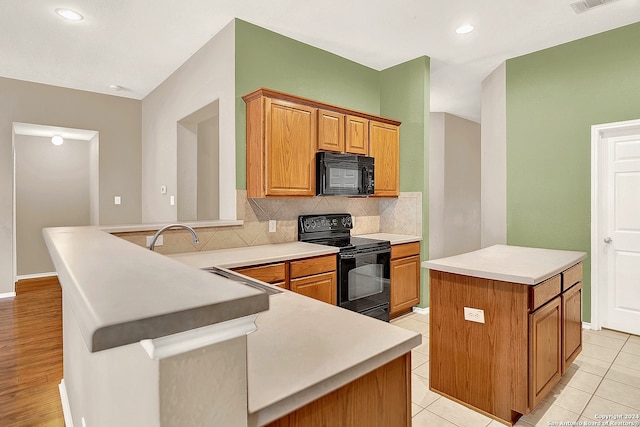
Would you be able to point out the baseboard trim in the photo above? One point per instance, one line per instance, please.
(36, 276)
(7, 295)
(421, 310)
(586, 325)
(66, 408)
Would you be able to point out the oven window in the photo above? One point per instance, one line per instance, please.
(365, 281)
(340, 178)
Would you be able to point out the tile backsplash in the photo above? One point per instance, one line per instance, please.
(402, 215)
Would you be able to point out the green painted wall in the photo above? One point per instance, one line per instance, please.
(553, 98)
(267, 59)
(404, 95)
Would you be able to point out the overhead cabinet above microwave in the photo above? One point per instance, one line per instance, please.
(284, 132)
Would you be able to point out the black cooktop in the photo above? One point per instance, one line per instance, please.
(350, 242)
(334, 230)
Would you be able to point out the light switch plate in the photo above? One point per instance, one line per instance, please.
(117, 200)
(474, 315)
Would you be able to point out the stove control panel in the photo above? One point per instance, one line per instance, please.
(324, 223)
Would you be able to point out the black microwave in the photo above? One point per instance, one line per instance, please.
(340, 174)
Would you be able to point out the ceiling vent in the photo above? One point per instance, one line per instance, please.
(584, 5)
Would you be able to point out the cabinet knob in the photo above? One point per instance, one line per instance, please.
(608, 240)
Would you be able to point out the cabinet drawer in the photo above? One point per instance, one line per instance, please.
(544, 292)
(405, 250)
(571, 276)
(309, 266)
(270, 273)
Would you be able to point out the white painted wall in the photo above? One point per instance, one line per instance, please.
(454, 185)
(494, 158)
(207, 76)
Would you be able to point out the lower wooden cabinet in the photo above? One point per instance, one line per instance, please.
(545, 350)
(380, 398)
(319, 286)
(275, 274)
(506, 365)
(314, 277)
(571, 325)
(405, 278)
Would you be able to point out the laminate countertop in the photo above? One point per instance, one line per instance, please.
(122, 293)
(303, 348)
(395, 239)
(517, 264)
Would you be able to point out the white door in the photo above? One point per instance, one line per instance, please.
(618, 237)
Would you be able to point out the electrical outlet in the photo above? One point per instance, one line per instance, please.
(272, 226)
(474, 315)
(159, 241)
(117, 200)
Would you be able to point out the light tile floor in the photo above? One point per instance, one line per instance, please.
(603, 380)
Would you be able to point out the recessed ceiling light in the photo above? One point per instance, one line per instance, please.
(57, 140)
(69, 14)
(464, 29)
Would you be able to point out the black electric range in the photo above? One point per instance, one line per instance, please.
(363, 264)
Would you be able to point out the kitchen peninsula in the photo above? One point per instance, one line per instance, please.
(149, 340)
(505, 325)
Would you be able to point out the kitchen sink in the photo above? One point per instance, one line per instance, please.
(228, 274)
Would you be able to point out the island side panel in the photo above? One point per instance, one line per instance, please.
(483, 365)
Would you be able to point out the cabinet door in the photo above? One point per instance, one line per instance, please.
(405, 284)
(290, 147)
(384, 147)
(357, 135)
(545, 359)
(571, 325)
(322, 287)
(330, 131)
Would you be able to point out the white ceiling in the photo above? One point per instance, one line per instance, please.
(139, 43)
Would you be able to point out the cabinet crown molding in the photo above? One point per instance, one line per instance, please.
(270, 93)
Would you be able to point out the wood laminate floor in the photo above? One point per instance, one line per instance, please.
(31, 355)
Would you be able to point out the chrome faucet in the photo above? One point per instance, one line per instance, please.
(152, 243)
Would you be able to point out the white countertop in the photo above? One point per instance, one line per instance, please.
(515, 264)
(302, 349)
(253, 255)
(122, 293)
(395, 239)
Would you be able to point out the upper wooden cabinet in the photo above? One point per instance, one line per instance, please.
(357, 135)
(284, 131)
(384, 147)
(330, 131)
(281, 146)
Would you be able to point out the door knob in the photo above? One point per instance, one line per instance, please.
(608, 240)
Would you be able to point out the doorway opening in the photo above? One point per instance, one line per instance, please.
(55, 184)
(198, 169)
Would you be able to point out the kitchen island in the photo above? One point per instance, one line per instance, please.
(149, 340)
(505, 325)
